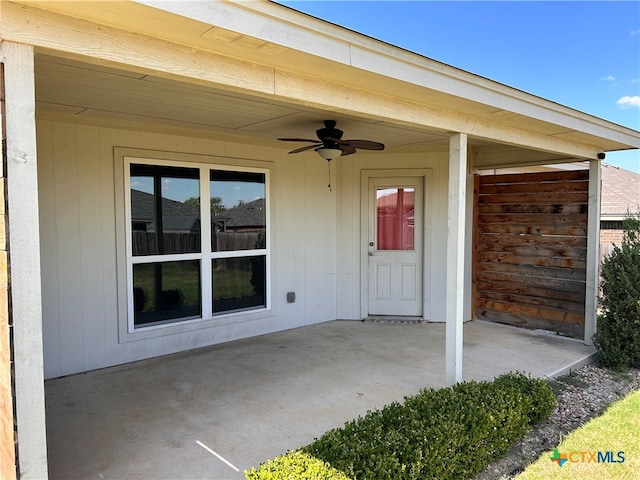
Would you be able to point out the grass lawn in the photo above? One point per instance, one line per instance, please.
(617, 430)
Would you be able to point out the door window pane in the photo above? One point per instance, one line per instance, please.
(165, 210)
(166, 290)
(238, 283)
(238, 219)
(395, 218)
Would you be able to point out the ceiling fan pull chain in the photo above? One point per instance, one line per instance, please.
(329, 165)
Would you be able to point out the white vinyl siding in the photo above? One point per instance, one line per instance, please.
(313, 244)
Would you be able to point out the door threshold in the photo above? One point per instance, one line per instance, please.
(394, 319)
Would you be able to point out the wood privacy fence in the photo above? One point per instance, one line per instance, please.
(145, 243)
(530, 239)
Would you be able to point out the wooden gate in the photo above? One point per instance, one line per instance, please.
(530, 239)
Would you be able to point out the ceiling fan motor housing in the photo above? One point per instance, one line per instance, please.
(328, 133)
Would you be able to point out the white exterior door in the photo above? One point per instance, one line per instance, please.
(395, 246)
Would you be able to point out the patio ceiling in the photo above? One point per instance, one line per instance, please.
(86, 93)
(78, 92)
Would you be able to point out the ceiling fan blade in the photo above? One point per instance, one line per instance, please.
(303, 149)
(366, 144)
(298, 140)
(347, 149)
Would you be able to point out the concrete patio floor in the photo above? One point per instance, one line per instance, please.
(205, 413)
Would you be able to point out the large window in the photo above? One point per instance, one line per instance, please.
(189, 259)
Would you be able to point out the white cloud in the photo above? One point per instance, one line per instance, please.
(629, 101)
(634, 32)
(610, 79)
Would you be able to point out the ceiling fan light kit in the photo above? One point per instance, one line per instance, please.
(330, 144)
(329, 153)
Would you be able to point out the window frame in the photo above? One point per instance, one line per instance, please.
(205, 256)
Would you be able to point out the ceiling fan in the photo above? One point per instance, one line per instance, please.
(331, 145)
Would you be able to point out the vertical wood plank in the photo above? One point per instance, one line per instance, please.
(455, 257)
(24, 244)
(474, 247)
(52, 343)
(593, 251)
(7, 437)
(7, 445)
(3, 217)
(92, 298)
(113, 256)
(67, 237)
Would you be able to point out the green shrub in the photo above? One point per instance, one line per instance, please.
(448, 433)
(295, 466)
(538, 397)
(618, 334)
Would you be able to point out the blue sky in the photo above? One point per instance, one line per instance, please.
(585, 55)
(180, 189)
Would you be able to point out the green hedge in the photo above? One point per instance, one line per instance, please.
(449, 433)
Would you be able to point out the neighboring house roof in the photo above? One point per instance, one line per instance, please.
(249, 214)
(182, 217)
(620, 192)
(391, 199)
(176, 216)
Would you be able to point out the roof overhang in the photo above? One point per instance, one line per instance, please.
(280, 72)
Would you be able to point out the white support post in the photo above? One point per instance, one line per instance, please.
(24, 250)
(455, 257)
(593, 251)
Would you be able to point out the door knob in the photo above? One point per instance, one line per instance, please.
(371, 254)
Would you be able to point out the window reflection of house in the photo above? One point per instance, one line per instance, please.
(246, 217)
(179, 224)
(241, 227)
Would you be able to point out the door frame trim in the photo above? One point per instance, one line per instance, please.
(427, 180)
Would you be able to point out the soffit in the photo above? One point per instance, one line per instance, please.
(72, 90)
